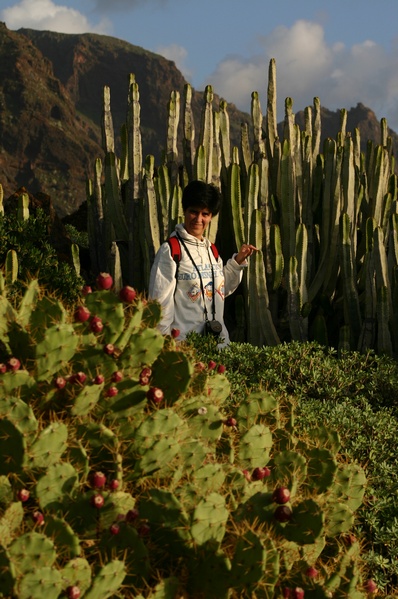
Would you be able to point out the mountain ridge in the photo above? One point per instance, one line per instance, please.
(51, 87)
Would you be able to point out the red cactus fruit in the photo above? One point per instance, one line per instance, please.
(3, 368)
(144, 530)
(86, 289)
(350, 539)
(99, 379)
(38, 518)
(98, 480)
(221, 369)
(127, 294)
(145, 376)
(298, 593)
(175, 333)
(247, 475)
(109, 349)
(370, 586)
(114, 529)
(59, 382)
(82, 314)
(286, 593)
(112, 391)
(200, 366)
(260, 473)
(155, 394)
(146, 371)
(283, 513)
(78, 377)
(13, 364)
(104, 280)
(97, 501)
(73, 592)
(132, 515)
(230, 421)
(96, 324)
(114, 484)
(211, 365)
(312, 572)
(281, 495)
(23, 495)
(117, 376)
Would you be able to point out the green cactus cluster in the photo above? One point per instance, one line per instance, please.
(125, 474)
(324, 219)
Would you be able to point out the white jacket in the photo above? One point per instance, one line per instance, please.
(182, 300)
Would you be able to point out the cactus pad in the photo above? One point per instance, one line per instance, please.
(42, 582)
(49, 446)
(107, 581)
(209, 519)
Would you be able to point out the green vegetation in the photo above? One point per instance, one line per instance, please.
(36, 257)
(124, 481)
(355, 395)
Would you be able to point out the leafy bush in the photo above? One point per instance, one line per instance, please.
(306, 370)
(76, 236)
(37, 257)
(356, 395)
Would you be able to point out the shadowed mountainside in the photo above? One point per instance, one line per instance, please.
(51, 88)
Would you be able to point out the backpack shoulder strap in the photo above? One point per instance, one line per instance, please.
(175, 249)
(215, 251)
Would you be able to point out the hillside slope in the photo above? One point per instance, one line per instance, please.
(51, 88)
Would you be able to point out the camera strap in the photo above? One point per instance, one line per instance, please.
(213, 304)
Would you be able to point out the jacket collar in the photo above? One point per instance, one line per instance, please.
(190, 238)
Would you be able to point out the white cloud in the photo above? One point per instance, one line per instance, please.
(177, 54)
(123, 5)
(307, 66)
(235, 79)
(46, 15)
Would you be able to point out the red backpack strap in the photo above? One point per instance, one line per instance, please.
(175, 249)
(215, 251)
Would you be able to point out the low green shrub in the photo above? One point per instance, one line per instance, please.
(356, 395)
(37, 257)
(76, 236)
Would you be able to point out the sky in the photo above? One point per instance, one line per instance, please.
(342, 51)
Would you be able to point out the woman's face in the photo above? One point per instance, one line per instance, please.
(196, 220)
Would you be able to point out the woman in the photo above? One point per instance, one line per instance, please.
(192, 288)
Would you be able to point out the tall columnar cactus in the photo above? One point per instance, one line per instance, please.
(11, 267)
(351, 298)
(299, 187)
(23, 207)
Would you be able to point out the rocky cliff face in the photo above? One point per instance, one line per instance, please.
(45, 144)
(51, 88)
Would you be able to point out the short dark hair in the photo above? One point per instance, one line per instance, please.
(199, 194)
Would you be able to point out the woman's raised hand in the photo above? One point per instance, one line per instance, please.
(245, 252)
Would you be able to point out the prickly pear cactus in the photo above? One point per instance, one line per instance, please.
(124, 472)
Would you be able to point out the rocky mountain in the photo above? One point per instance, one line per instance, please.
(51, 88)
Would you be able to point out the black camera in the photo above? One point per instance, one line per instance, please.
(212, 327)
